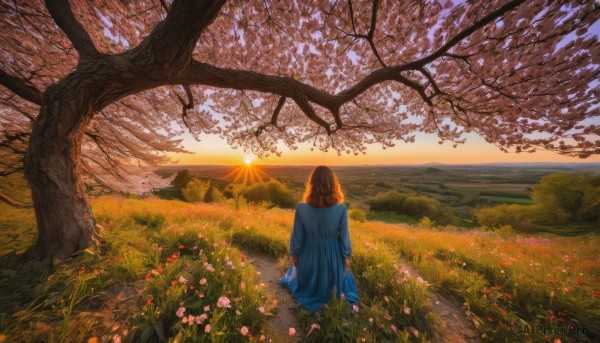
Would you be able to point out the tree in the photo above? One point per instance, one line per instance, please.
(182, 178)
(114, 82)
(272, 191)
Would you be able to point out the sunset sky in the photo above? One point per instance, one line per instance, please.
(214, 150)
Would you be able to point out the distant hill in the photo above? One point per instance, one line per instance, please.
(431, 171)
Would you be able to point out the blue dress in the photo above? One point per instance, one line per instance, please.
(321, 240)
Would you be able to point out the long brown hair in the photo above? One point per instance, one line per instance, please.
(323, 188)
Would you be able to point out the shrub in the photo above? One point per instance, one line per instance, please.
(357, 214)
(195, 190)
(390, 201)
(425, 222)
(273, 191)
(520, 217)
(214, 194)
(420, 205)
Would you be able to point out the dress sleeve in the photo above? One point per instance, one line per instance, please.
(298, 234)
(345, 244)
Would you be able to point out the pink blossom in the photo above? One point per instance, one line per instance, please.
(355, 308)
(201, 318)
(182, 280)
(206, 308)
(207, 328)
(244, 331)
(292, 331)
(313, 326)
(116, 339)
(261, 338)
(191, 319)
(261, 309)
(407, 310)
(416, 333)
(180, 312)
(203, 281)
(223, 302)
(370, 320)
(394, 328)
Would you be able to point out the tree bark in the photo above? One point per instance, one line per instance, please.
(52, 161)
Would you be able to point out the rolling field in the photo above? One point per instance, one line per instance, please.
(155, 253)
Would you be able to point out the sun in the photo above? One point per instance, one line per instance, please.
(247, 173)
(248, 161)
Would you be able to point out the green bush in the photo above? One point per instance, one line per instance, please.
(420, 206)
(272, 191)
(214, 194)
(389, 201)
(195, 190)
(357, 214)
(520, 217)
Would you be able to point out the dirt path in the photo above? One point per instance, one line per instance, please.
(458, 327)
(278, 325)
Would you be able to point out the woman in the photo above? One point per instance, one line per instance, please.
(320, 244)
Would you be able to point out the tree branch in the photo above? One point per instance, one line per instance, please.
(21, 88)
(273, 117)
(60, 10)
(186, 106)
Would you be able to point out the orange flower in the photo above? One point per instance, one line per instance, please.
(83, 268)
(507, 296)
(503, 313)
(173, 282)
(579, 282)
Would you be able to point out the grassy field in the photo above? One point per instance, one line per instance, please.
(155, 255)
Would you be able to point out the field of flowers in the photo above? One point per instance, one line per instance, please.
(168, 270)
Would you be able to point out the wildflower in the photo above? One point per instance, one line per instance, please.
(292, 331)
(182, 279)
(191, 319)
(83, 268)
(394, 328)
(207, 328)
(242, 285)
(596, 292)
(201, 318)
(557, 340)
(149, 302)
(502, 313)
(160, 248)
(244, 331)
(237, 312)
(181, 246)
(93, 340)
(261, 338)
(149, 275)
(407, 310)
(355, 308)
(578, 282)
(416, 333)
(507, 296)
(194, 247)
(173, 282)
(116, 339)
(370, 320)
(206, 308)
(261, 309)
(180, 312)
(203, 281)
(223, 302)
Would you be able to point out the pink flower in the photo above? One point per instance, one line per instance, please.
(223, 302)
(180, 312)
(184, 320)
(370, 320)
(201, 318)
(207, 328)
(394, 328)
(355, 308)
(292, 331)
(416, 333)
(182, 279)
(313, 326)
(206, 308)
(244, 331)
(191, 319)
(117, 339)
(407, 310)
(261, 309)
(261, 338)
(203, 281)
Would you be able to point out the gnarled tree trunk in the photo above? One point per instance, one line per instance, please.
(64, 218)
